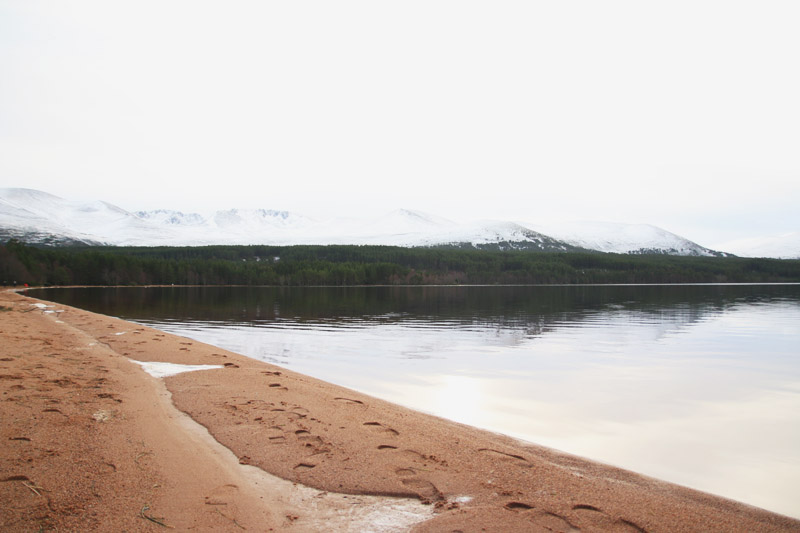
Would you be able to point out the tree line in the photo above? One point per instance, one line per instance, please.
(367, 265)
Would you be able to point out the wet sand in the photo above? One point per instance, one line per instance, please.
(92, 442)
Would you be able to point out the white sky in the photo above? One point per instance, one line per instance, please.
(682, 114)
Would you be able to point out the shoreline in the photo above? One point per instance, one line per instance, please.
(57, 367)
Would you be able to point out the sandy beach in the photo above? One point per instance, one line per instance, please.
(93, 441)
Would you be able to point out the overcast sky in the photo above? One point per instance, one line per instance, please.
(685, 115)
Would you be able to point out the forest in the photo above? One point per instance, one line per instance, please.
(367, 265)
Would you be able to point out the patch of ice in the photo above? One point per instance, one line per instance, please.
(103, 415)
(120, 333)
(41, 306)
(163, 370)
(387, 516)
(342, 513)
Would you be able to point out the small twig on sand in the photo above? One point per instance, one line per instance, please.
(34, 488)
(231, 519)
(152, 519)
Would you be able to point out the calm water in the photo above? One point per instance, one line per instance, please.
(699, 385)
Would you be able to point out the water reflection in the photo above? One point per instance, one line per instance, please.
(696, 384)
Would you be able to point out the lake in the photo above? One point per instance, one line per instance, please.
(695, 384)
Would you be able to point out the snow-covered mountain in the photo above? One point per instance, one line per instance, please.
(623, 238)
(38, 217)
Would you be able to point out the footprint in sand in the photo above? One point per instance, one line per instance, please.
(589, 515)
(415, 456)
(222, 495)
(15, 478)
(550, 521)
(108, 396)
(585, 507)
(425, 490)
(289, 416)
(349, 400)
(380, 427)
(520, 460)
(514, 506)
(633, 527)
(555, 522)
(309, 440)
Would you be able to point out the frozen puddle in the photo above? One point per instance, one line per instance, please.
(163, 370)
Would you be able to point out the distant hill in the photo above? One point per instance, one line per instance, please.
(784, 246)
(37, 217)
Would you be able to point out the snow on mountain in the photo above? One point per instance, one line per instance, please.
(503, 235)
(169, 217)
(623, 238)
(785, 246)
(256, 219)
(39, 217)
(256, 226)
(402, 227)
(408, 222)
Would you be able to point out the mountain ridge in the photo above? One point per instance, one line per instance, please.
(38, 217)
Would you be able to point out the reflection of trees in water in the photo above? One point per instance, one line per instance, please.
(520, 311)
